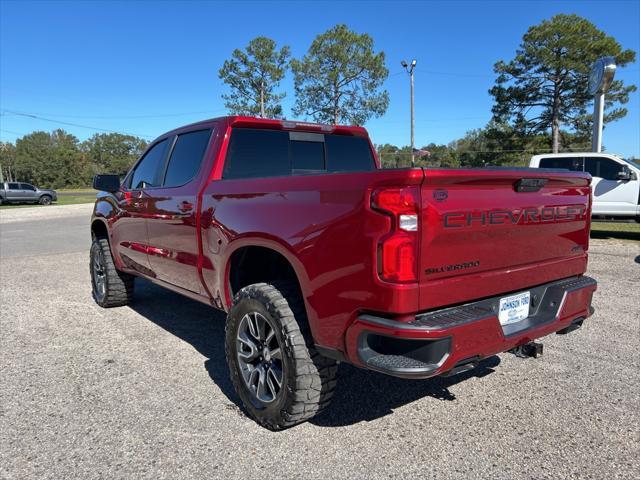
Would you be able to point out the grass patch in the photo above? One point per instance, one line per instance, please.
(624, 230)
(65, 197)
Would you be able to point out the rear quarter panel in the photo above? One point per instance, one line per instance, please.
(323, 225)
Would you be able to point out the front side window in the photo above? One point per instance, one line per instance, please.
(570, 163)
(604, 168)
(26, 186)
(186, 157)
(148, 169)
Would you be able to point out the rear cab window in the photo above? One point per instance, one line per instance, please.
(256, 153)
(570, 163)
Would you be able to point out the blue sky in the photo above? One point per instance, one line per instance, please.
(147, 67)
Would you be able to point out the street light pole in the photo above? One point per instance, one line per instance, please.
(602, 73)
(409, 69)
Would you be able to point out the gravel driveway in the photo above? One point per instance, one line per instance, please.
(142, 391)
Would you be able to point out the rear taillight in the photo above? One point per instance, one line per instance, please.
(398, 251)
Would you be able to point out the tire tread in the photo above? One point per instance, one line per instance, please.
(120, 285)
(315, 374)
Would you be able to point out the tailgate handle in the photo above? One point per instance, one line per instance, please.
(530, 184)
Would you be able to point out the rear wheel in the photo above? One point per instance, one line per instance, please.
(45, 200)
(280, 377)
(109, 287)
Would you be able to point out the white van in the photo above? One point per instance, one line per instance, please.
(616, 182)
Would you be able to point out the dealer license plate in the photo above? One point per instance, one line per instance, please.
(514, 308)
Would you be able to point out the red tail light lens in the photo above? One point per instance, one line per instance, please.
(398, 251)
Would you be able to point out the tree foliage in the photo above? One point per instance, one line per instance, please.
(57, 159)
(545, 85)
(253, 75)
(113, 152)
(7, 161)
(340, 79)
(51, 159)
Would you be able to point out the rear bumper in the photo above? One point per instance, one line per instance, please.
(438, 342)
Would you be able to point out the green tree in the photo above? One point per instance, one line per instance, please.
(35, 161)
(7, 161)
(340, 79)
(51, 160)
(392, 156)
(545, 85)
(113, 152)
(253, 75)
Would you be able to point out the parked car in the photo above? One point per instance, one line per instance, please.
(616, 182)
(319, 256)
(20, 192)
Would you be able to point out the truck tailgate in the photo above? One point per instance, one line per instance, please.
(484, 234)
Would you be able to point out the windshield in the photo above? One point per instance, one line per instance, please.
(633, 161)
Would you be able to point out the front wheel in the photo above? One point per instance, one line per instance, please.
(109, 286)
(280, 377)
(45, 200)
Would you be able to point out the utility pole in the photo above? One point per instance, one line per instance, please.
(409, 69)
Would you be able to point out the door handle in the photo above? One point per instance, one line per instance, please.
(185, 207)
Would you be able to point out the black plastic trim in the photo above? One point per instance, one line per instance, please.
(546, 301)
(403, 357)
(331, 353)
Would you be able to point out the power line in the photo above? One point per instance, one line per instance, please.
(457, 74)
(160, 115)
(60, 122)
(11, 131)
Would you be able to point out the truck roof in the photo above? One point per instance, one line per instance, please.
(575, 154)
(276, 124)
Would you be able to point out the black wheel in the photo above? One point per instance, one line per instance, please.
(109, 287)
(45, 200)
(280, 377)
(1, 200)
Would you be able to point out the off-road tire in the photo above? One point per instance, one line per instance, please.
(119, 285)
(45, 200)
(309, 379)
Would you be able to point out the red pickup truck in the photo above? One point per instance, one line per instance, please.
(319, 256)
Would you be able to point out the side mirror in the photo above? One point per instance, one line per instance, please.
(106, 183)
(624, 174)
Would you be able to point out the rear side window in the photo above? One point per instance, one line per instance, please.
(254, 153)
(257, 153)
(186, 157)
(14, 186)
(148, 169)
(570, 163)
(348, 154)
(602, 167)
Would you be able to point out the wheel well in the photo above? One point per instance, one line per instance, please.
(99, 229)
(259, 264)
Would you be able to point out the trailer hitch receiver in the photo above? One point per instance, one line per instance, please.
(531, 349)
